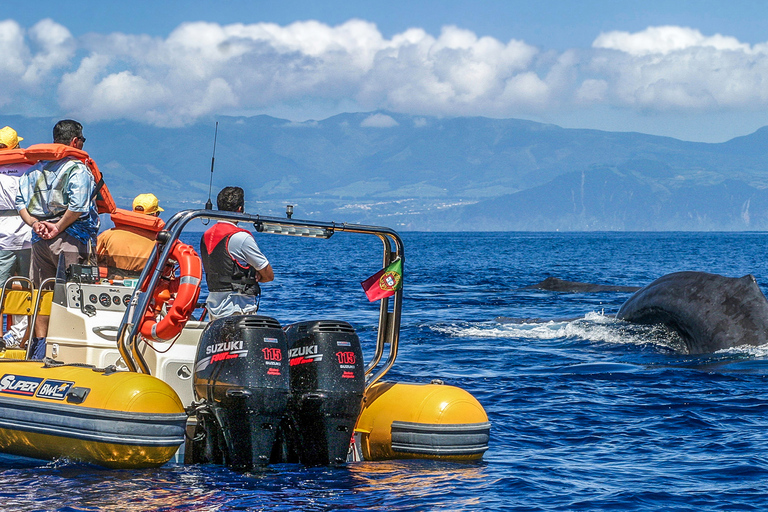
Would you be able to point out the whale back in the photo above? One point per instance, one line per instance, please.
(710, 312)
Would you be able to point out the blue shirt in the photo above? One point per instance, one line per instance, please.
(50, 188)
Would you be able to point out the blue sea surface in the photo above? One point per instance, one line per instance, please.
(588, 413)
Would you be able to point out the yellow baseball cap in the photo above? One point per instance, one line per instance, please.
(146, 203)
(9, 137)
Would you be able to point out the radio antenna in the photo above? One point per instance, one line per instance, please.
(209, 204)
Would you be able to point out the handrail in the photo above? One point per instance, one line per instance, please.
(389, 321)
(391, 326)
(21, 279)
(35, 310)
(381, 337)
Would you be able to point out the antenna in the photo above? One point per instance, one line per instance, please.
(209, 204)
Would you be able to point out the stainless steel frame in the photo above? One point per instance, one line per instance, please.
(389, 321)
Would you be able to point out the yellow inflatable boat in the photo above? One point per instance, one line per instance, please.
(255, 391)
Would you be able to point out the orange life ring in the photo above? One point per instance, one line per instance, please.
(187, 293)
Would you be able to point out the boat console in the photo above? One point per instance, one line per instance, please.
(86, 313)
(103, 296)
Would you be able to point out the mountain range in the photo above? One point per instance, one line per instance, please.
(440, 174)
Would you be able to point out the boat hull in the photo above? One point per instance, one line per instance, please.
(111, 419)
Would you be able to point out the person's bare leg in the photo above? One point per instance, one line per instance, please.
(41, 326)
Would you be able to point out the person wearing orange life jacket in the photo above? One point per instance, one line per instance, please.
(127, 247)
(15, 234)
(234, 265)
(56, 198)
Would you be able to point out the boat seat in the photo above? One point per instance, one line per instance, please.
(25, 302)
(46, 299)
(19, 302)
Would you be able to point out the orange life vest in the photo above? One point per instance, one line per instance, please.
(123, 217)
(40, 152)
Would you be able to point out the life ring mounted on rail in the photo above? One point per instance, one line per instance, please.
(187, 290)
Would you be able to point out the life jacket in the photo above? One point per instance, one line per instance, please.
(222, 272)
(129, 218)
(121, 255)
(45, 152)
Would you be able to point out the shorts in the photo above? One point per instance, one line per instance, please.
(47, 253)
(14, 263)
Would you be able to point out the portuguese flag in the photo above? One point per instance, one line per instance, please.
(385, 282)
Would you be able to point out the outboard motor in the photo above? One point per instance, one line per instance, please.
(327, 385)
(242, 386)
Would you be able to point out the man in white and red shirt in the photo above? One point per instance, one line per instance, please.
(234, 265)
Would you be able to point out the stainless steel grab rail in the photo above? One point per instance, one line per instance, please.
(389, 321)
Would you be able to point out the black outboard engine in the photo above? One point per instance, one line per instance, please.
(327, 385)
(242, 386)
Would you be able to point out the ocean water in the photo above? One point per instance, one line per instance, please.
(588, 413)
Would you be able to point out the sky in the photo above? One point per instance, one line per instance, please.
(693, 70)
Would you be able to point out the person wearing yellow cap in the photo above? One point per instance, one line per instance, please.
(15, 234)
(127, 247)
(9, 139)
(147, 204)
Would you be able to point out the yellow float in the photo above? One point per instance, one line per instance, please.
(104, 417)
(422, 421)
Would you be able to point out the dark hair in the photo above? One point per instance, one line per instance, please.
(230, 199)
(66, 130)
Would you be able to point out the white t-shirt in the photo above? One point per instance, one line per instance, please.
(14, 232)
(244, 249)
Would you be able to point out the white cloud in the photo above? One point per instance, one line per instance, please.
(304, 124)
(592, 91)
(31, 58)
(89, 95)
(259, 66)
(205, 68)
(15, 50)
(56, 48)
(379, 121)
(456, 73)
(663, 40)
(664, 68)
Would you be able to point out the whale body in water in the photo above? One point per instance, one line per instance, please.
(555, 284)
(710, 312)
